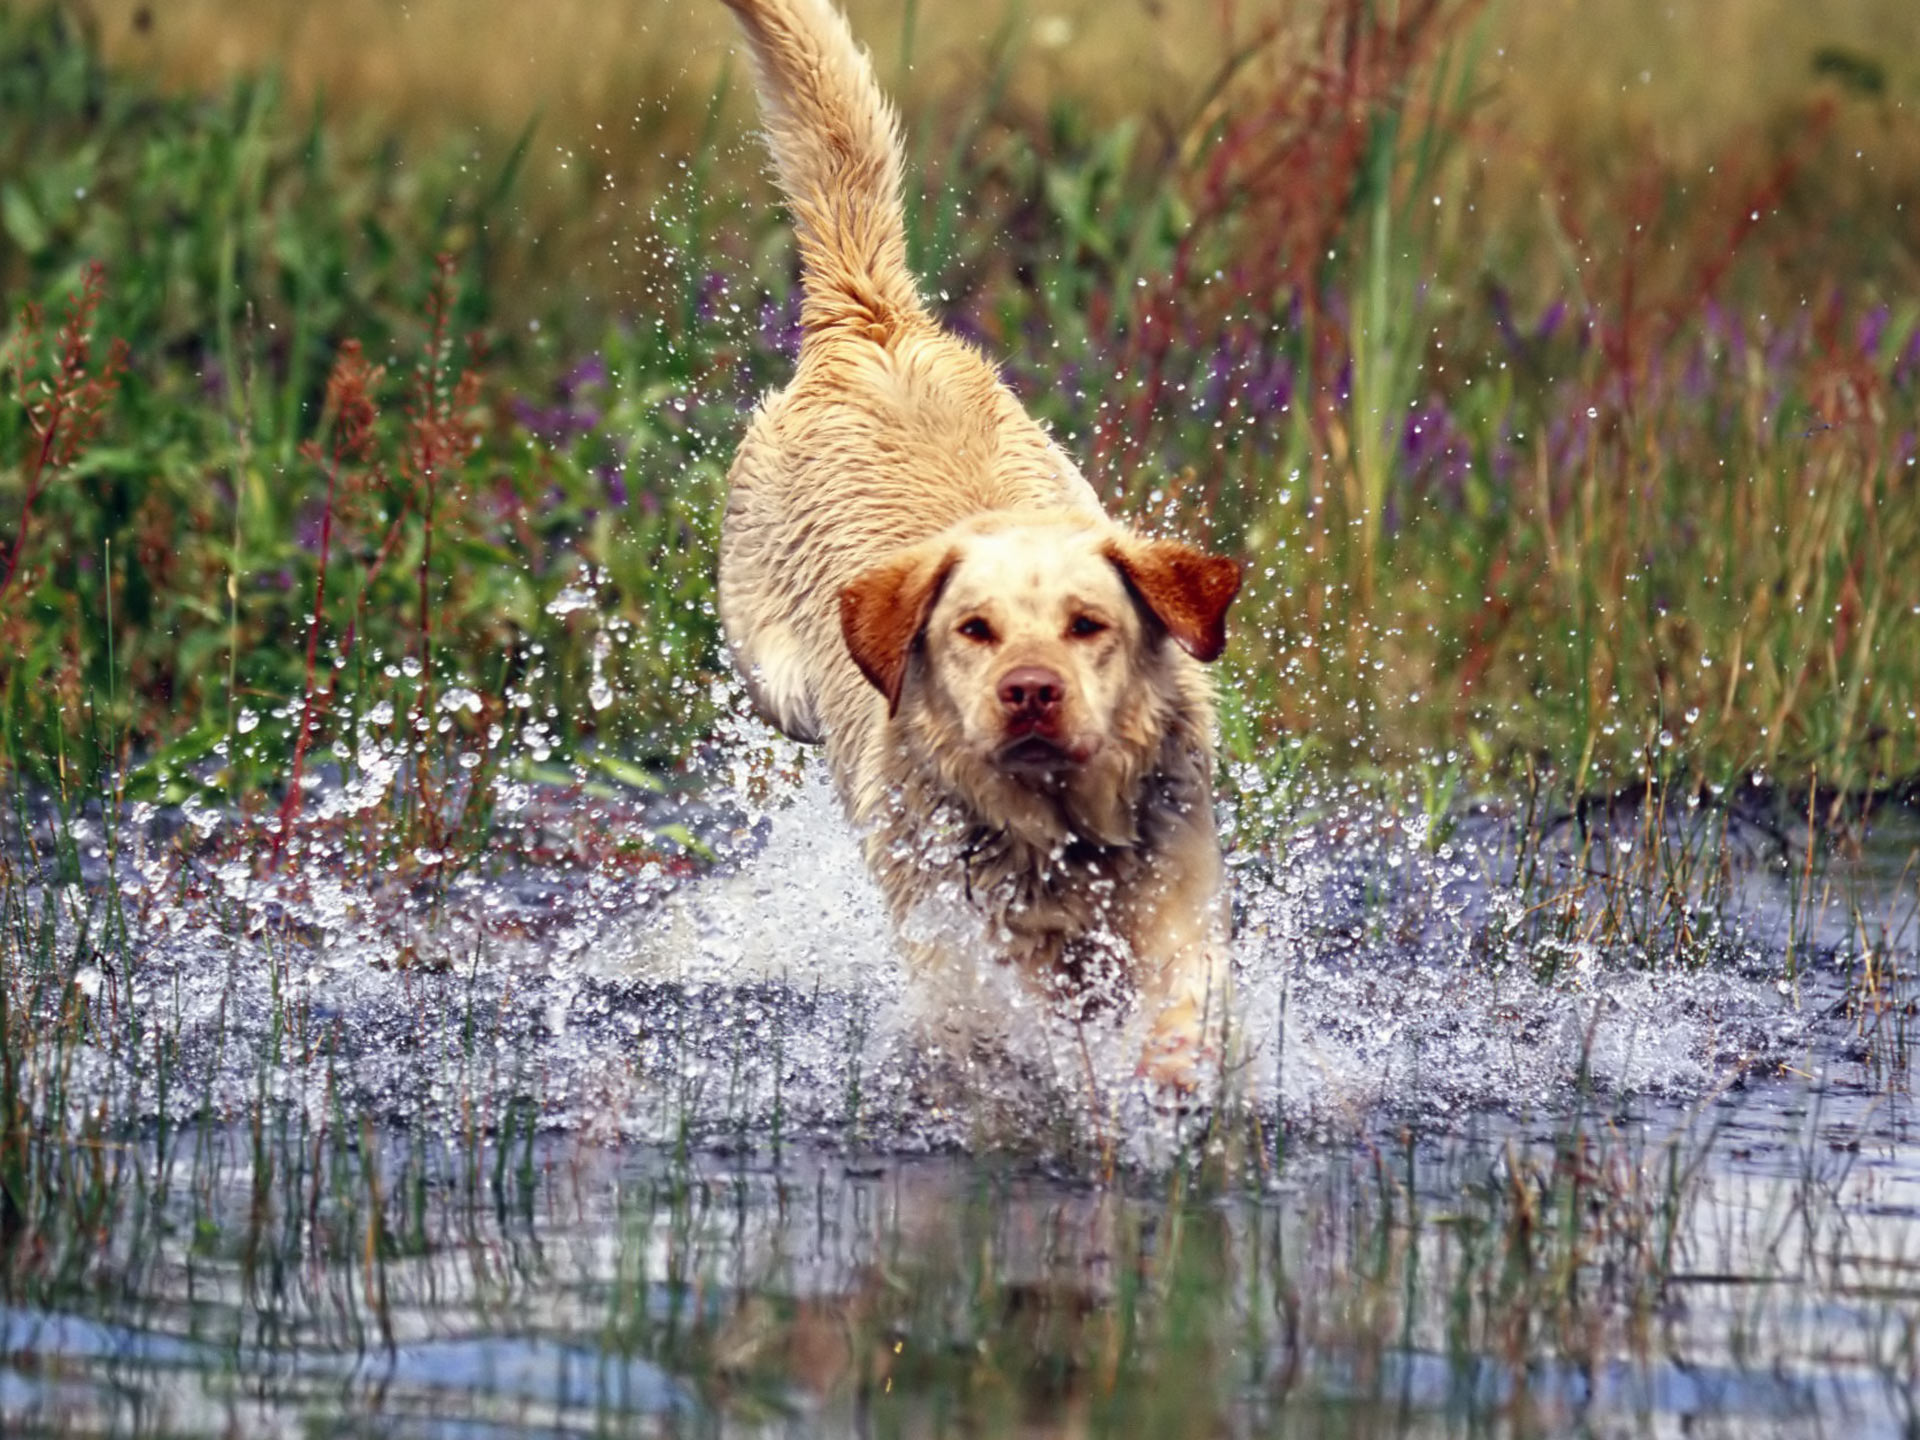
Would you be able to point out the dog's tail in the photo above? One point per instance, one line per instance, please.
(837, 152)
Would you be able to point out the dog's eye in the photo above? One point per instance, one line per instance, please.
(977, 629)
(1083, 627)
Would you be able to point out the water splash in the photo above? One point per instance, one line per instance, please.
(759, 999)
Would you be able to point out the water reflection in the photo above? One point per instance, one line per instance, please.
(1753, 1261)
(1627, 1149)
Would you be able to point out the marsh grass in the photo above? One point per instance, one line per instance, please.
(1494, 1286)
(1654, 514)
(1497, 1277)
(353, 578)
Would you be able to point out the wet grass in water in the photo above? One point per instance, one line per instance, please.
(218, 1202)
(377, 1047)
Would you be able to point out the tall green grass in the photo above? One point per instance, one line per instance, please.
(1638, 518)
(286, 506)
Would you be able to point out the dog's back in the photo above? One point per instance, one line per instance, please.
(892, 429)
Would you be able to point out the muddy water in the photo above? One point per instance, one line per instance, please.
(652, 1148)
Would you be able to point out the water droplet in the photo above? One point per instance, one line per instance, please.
(574, 597)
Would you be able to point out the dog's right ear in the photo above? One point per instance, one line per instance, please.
(884, 609)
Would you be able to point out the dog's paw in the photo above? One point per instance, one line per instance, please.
(1179, 1059)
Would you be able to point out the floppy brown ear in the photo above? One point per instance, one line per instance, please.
(1187, 590)
(885, 607)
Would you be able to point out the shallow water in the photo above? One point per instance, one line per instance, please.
(1373, 972)
(626, 1143)
(633, 1291)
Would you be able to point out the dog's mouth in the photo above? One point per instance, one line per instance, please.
(1034, 754)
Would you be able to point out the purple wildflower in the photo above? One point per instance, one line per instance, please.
(1550, 322)
(1908, 364)
(713, 287)
(1273, 394)
(555, 424)
(1872, 330)
(614, 477)
(780, 326)
(571, 414)
(1501, 304)
(1437, 454)
(588, 374)
(306, 525)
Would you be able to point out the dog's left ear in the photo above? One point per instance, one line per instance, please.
(1187, 590)
(884, 609)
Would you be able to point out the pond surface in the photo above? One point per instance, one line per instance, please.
(1515, 1141)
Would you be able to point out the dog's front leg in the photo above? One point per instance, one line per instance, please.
(1179, 938)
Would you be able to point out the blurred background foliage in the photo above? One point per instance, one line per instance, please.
(1554, 367)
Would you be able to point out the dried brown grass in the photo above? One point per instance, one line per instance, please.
(1692, 73)
(1573, 101)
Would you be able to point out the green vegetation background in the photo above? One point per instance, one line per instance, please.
(1559, 439)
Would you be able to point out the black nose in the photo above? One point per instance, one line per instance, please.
(1031, 690)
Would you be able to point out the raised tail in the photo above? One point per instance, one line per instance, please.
(837, 151)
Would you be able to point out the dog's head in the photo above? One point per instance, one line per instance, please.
(1038, 647)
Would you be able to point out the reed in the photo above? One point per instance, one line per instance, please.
(1579, 555)
(1647, 510)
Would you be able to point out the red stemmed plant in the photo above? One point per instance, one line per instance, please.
(441, 434)
(65, 401)
(352, 415)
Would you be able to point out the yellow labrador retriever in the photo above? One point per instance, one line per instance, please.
(1007, 682)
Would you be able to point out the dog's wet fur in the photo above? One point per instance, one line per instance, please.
(1008, 683)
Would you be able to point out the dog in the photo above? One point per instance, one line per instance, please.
(1008, 683)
